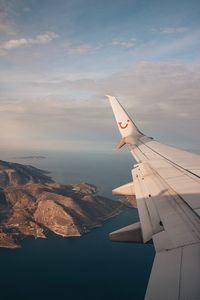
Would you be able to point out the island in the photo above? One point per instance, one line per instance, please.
(33, 204)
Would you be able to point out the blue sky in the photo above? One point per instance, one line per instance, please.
(59, 58)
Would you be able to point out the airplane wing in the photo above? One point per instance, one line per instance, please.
(166, 189)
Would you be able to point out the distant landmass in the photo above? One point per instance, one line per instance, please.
(31, 157)
(32, 204)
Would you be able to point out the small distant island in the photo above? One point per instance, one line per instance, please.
(32, 204)
(30, 157)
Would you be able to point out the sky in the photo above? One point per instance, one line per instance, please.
(58, 60)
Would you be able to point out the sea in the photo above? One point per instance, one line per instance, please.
(90, 267)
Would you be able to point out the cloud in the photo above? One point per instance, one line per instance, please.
(171, 30)
(7, 23)
(163, 98)
(7, 28)
(40, 39)
(27, 9)
(8, 17)
(124, 43)
(49, 123)
(83, 48)
(165, 89)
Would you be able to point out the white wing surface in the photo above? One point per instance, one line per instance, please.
(166, 189)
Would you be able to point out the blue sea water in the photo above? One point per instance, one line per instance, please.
(79, 268)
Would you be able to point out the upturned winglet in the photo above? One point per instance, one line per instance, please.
(128, 130)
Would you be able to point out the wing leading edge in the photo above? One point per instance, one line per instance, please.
(166, 189)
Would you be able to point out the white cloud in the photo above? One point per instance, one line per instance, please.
(14, 43)
(83, 48)
(124, 43)
(171, 30)
(38, 40)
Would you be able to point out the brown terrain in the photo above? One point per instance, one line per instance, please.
(32, 204)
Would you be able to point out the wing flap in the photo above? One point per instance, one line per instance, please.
(190, 272)
(130, 233)
(175, 274)
(165, 275)
(163, 214)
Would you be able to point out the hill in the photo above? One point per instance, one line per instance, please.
(32, 204)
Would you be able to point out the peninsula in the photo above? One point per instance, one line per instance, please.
(32, 204)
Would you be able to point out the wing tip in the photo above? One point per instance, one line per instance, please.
(111, 98)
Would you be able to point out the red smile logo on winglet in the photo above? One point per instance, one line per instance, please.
(123, 126)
